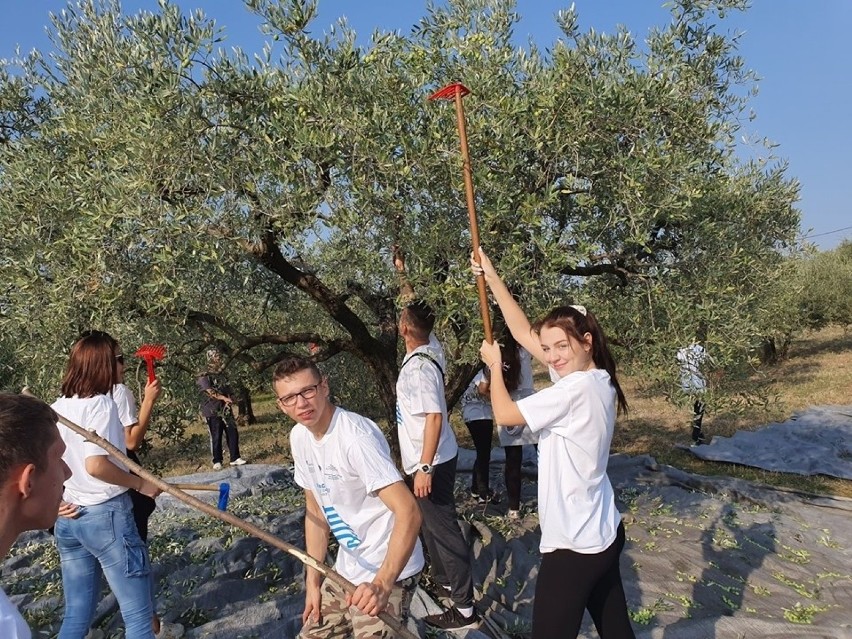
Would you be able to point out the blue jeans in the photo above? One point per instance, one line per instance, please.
(104, 540)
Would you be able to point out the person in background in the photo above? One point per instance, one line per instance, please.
(97, 533)
(582, 535)
(476, 413)
(135, 427)
(694, 384)
(216, 410)
(32, 473)
(518, 377)
(429, 454)
(352, 489)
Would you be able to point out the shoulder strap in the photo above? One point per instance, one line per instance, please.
(430, 358)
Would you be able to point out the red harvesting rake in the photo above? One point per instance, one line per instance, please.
(456, 91)
(151, 353)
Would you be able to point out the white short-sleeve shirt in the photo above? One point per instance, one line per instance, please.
(691, 359)
(126, 404)
(575, 418)
(474, 405)
(420, 390)
(98, 413)
(344, 470)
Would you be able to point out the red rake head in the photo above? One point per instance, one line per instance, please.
(449, 92)
(151, 353)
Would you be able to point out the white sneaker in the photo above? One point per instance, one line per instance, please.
(239, 461)
(170, 631)
(217, 466)
(514, 514)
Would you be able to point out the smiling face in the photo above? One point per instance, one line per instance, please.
(565, 353)
(304, 397)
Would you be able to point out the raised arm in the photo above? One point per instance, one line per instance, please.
(135, 433)
(503, 407)
(514, 315)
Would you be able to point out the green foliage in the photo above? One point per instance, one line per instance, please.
(826, 281)
(164, 189)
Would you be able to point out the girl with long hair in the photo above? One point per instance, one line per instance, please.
(97, 534)
(582, 535)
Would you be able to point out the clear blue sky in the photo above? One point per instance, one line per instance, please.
(801, 50)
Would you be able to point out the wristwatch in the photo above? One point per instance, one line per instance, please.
(426, 468)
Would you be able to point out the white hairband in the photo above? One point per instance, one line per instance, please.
(580, 309)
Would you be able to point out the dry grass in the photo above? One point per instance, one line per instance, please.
(818, 371)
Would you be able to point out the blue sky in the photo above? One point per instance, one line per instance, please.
(801, 50)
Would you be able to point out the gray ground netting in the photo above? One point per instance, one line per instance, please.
(815, 442)
(705, 558)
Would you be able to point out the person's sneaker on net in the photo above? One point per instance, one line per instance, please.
(170, 631)
(217, 466)
(239, 461)
(489, 497)
(452, 619)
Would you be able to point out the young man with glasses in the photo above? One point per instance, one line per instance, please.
(352, 489)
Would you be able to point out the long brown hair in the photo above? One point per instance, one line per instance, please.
(576, 324)
(511, 362)
(92, 368)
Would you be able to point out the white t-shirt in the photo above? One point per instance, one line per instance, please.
(576, 503)
(520, 435)
(420, 390)
(691, 360)
(12, 624)
(344, 470)
(126, 404)
(98, 413)
(475, 406)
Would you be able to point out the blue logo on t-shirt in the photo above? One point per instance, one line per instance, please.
(342, 531)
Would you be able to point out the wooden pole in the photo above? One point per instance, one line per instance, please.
(457, 91)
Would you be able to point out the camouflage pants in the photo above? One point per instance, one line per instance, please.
(339, 621)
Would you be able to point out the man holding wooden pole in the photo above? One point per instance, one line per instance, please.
(352, 489)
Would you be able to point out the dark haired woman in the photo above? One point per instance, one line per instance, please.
(582, 535)
(101, 536)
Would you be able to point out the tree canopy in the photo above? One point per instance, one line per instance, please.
(157, 185)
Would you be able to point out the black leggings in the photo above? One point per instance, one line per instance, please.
(481, 431)
(569, 583)
(512, 475)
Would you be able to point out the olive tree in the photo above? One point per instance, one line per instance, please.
(158, 185)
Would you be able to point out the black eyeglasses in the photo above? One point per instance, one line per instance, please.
(307, 393)
(119, 359)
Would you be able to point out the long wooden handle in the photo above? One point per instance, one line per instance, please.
(228, 518)
(195, 486)
(471, 214)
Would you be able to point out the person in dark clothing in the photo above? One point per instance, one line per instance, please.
(216, 409)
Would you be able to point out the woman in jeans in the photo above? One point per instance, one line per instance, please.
(97, 534)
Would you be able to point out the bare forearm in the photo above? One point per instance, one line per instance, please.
(504, 409)
(100, 467)
(431, 437)
(316, 538)
(403, 537)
